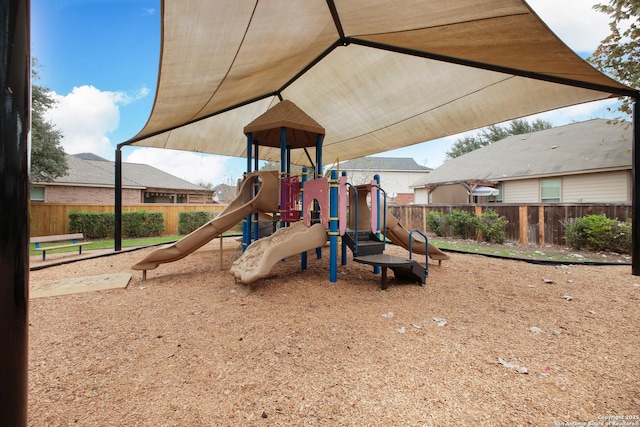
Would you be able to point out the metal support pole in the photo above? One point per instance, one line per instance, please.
(283, 164)
(319, 156)
(117, 232)
(635, 210)
(15, 123)
(333, 226)
(303, 255)
(376, 178)
(256, 217)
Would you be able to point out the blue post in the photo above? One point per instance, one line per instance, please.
(376, 178)
(303, 255)
(246, 224)
(333, 226)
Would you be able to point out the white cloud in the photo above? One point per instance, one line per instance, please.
(574, 21)
(87, 116)
(581, 112)
(193, 167)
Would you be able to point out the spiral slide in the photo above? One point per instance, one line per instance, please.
(266, 200)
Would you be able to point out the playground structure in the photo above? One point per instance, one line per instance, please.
(310, 212)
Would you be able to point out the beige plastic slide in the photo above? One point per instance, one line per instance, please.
(394, 229)
(260, 257)
(400, 236)
(266, 200)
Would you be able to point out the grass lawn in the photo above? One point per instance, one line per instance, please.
(504, 250)
(109, 244)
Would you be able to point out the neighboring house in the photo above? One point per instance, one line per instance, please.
(224, 193)
(90, 179)
(396, 175)
(581, 162)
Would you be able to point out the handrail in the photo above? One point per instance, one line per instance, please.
(426, 242)
(384, 215)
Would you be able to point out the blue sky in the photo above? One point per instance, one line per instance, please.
(100, 60)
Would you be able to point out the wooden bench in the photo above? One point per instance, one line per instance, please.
(73, 240)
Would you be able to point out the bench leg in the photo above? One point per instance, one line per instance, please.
(44, 255)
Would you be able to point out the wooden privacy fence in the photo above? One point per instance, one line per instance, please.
(529, 223)
(53, 218)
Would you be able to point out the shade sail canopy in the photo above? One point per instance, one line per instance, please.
(375, 74)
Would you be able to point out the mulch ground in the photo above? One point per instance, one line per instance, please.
(486, 342)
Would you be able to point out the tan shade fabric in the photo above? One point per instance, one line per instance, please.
(375, 74)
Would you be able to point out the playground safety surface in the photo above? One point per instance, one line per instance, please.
(520, 344)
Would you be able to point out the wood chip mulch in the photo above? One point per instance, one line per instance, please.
(487, 342)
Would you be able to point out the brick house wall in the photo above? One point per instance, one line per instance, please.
(88, 195)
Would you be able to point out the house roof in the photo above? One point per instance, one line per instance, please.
(589, 146)
(384, 164)
(100, 172)
(377, 75)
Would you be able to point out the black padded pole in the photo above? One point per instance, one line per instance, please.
(15, 122)
(635, 182)
(117, 232)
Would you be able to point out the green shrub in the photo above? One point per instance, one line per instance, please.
(463, 224)
(142, 224)
(94, 225)
(437, 222)
(598, 233)
(492, 226)
(100, 225)
(190, 221)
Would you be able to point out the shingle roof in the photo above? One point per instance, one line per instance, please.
(383, 164)
(575, 148)
(134, 175)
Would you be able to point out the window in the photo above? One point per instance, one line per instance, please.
(550, 190)
(37, 194)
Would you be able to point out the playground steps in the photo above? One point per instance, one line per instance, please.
(369, 250)
(368, 243)
(403, 268)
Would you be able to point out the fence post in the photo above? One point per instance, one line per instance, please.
(541, 225)
(478, 212)
(523, 220)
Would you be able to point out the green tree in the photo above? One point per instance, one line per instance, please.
(618, 55)
(495, 133)
(466, 145)
(48, 159)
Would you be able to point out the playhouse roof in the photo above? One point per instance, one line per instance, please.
(376, 74)
(302, 130)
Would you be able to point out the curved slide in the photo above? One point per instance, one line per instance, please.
(266, 200)
(400, 236)
(260, 257)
